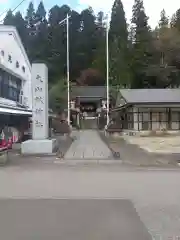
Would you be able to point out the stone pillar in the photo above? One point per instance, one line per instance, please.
(39, 144)
(40, 126)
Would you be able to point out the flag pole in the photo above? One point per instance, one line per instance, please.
(107, 69)
(68, 84)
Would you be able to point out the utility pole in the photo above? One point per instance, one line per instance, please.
(67, 59)
(68, 83)
(107, 69)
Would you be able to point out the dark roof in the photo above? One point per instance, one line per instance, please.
(89, 92)
(90, 99)
(151, 95)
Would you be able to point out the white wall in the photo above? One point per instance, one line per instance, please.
(11, 44)
(155, 121)
(135, 114)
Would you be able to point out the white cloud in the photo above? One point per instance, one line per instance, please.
(152, 7)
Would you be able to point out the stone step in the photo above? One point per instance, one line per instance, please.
(88, 162)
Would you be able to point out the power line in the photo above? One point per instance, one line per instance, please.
(3, 13)
(14, 9)
(18, 5)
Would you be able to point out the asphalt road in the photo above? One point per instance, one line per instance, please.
(150, 202)
(70, 220)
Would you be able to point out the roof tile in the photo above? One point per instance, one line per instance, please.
(151, 95)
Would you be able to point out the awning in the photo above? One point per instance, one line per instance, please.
(15, 111)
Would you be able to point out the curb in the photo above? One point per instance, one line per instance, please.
(116, 155)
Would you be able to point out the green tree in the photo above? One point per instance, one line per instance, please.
(166, 64)
(173, 20)
(142, 52)
(99, 61)
(17, 21)
(164, 21)
(118, 38)
(57, 42)
(41, 33)
(87, 44)
(9, 18)
(20, 24)
(74, 35)
(163, 72)
(176, 20)
(41, 13)
(30, 19)
(58, 96)
(118, 22)
(91, 77)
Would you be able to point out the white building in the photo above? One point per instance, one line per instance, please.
(147, 110)
(15, 72)
(15, 79)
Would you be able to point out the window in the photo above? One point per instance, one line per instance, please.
(13, 93)
(5, 90)
(155, 117)
(2, 53)
(174, 116)
(9, 78)
(17, 64)
(9, 58)
(23, 68)
(10, 86)
(18, 83)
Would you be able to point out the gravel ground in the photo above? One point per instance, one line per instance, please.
(165, 144)
(134, 155)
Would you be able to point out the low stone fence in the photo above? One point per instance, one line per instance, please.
(118, 133)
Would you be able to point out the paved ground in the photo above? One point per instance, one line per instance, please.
(70, 220)
(26, 182)
(154, 192)
(88, 145)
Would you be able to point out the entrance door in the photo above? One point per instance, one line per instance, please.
(88, 118)
(89, 123)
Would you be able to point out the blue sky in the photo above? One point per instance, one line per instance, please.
(5, 4)
(152, 7)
